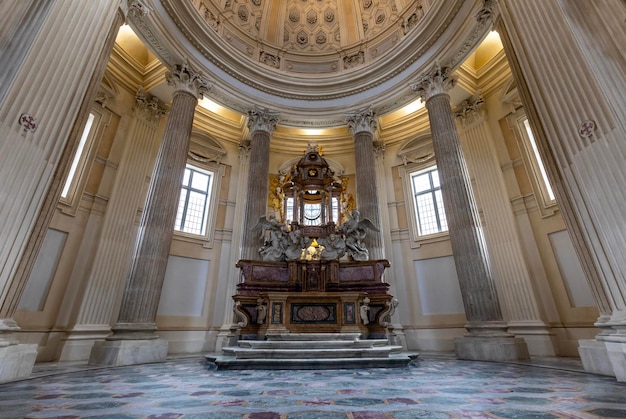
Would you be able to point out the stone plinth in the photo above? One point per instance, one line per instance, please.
(128, 352)
(478, 348)
(16, 361)
(595, 357)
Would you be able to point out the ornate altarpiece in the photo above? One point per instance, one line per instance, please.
(301, 286)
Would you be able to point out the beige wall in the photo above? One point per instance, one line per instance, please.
(423, 331)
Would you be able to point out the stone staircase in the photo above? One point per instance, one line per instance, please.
(312, 351)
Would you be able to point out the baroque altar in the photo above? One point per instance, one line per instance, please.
(314, 275)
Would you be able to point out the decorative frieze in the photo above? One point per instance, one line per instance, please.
(269, 59)
(485, 18)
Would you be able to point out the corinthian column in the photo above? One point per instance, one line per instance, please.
(487, 338)
(261, 124)
(363, 127)
(134, 339)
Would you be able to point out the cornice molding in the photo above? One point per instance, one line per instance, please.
(313, 102)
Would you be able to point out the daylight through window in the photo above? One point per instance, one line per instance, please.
(78, 157)
(542, 169)
(194, 200)
(430, 213)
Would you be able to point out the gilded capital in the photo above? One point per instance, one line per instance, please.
(434, 82)
(362, 121)
(185, 80)
(262, 120)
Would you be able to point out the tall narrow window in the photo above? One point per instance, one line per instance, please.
(83, 159)
(194, 201)
(77, 157)
(541, 167)
(429, 211)
(533, 163)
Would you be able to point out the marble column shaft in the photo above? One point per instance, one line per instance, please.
(137, 318)
(480, 299)
(261, 125)
(362, 126)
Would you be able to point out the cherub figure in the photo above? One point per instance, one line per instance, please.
(354, 230)
(364, 311)
(295, 246)
(273, 234)
(261, 309)
(333, 247)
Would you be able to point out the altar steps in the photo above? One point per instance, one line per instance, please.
(312, 351)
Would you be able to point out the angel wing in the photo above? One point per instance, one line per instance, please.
(262, 224)
(365, 223)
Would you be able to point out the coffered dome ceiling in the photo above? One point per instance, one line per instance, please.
(312, 61)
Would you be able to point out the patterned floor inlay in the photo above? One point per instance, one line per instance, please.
(434, 389)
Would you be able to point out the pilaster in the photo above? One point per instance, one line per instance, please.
(114, 249)
(31, 155)
(227, 332)
(513, 281)
(20, 21)
(577, 115)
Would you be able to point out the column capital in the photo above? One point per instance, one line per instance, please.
(147, 106)
(434, 82)
(262, 120)
(135, 8)
(186, 80)
(487, 13)
(362, 121)
(379, 149)
(471, 111)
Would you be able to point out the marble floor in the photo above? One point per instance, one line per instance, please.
(434, 387)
